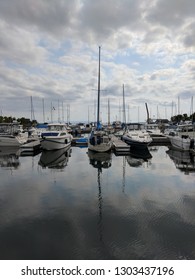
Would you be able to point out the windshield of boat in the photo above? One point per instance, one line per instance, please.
(56, 127)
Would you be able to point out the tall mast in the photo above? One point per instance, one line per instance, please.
(124, 111)
(148, 116)
(178, 105)
(98, 107)
(108, 111)
(43, 110)
(32, 109)
(51, 112)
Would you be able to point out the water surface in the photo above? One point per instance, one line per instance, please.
(79, 205)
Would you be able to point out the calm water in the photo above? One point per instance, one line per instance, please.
(75, 205)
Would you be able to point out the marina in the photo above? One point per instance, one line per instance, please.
(97, 138)
(73, 203)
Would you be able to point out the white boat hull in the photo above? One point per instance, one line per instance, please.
(101, 148)
(140, 139)
(55, 143)
(99, 142)
(135, 143)
(180, 143)
(9, 141)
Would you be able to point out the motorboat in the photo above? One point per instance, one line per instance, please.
(181, 142)
(11, 135)
(56, 137)
(7, 140)
(137, 138)
(81, 140)
(156, 133)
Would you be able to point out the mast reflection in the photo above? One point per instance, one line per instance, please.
(100, 161)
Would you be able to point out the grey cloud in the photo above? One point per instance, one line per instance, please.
(91, 19)
(189, 37)
(103, 18)
(154, 34)
(171, 13)
(46, 15)
(153, 77)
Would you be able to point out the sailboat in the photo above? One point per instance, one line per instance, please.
(99, 140)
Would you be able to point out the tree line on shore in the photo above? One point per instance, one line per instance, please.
(182, 118)
(23, 121)
(28, 123)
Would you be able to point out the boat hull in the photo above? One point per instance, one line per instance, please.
(9, 141)
(99, 142)
(135, 143)
(55, 143)
(100, 148)
(180, 143)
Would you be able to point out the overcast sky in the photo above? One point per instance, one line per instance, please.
(49, 50)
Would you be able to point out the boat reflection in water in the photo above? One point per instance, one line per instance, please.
(9, 157)
(184, 160)
(138, 156)
(100, 161)
(57, 159)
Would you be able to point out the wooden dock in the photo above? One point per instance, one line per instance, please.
(119, 146)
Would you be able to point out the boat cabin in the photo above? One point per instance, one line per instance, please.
(98, 138)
